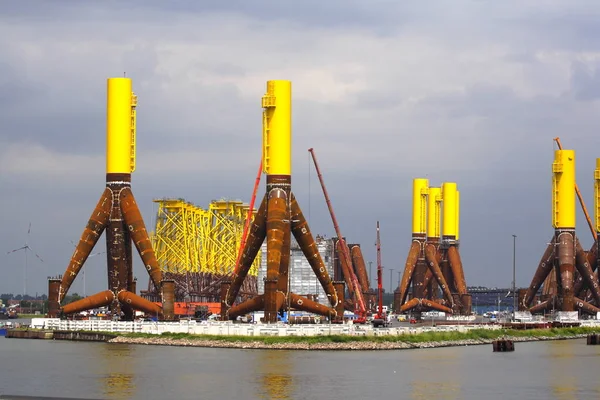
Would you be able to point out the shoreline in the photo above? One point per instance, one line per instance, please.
(357, 345)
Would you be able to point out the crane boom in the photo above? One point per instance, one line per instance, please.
(350, 277)
(379, 279)
(583, 207)
(249, 218)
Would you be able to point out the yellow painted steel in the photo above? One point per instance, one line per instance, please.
(563, 189)
(434, 204)
(597, 195)
(449, 210)
(188, 238)
(277, 128)
(419, 219)
(121, 105)
(457, 214)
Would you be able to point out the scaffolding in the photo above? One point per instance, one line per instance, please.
(197, 247)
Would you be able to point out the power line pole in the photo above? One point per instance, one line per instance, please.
(514, 282)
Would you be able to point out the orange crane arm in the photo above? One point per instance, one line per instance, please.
(355, 289)
(583, 207)
(249, 218)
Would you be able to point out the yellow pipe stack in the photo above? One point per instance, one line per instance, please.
(434, 212)
(457, 214)
(120, 126)
(563, 189)
(277, 128)
(419, 220)
(449, 210)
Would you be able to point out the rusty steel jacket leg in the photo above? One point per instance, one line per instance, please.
(585, 271)
(566, 265)
(256, 236)
(586, 307)
(346, 269)
(543, 269)
(543, 306)
(94, 228)
(101, 299)
(139, 303)
(430, 256)
(361, 270)
(409, 268)
(432, 305)
(255, 304)
(303, 236)
(304, 304)
(137, 230)
(409, 305)
(457, 270)
(277, 225)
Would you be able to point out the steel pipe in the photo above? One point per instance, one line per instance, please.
(409, 268)
(303, 236)
(542, 271)
(94, 228)
(139, 303)
(457, 270)
(101, 299)
(430, 256)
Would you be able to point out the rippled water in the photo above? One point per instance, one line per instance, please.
(547, 370)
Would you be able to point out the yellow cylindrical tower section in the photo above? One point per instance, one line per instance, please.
(120, 126)
(597, 194)
(277, 128)
(457, 214)
(449, 210)
(563, 189)
(434, 212)
(420, 191)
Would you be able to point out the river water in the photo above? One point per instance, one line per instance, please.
(566, 369)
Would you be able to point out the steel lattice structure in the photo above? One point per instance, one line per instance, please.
(197, 247)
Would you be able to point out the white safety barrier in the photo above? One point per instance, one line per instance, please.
(231, 329)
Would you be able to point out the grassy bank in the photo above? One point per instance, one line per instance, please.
(476, 334)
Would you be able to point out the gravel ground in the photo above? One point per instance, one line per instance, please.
(323, 346)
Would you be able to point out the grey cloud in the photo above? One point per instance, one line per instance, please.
(585, 81)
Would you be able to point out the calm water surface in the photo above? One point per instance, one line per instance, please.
(548, 370)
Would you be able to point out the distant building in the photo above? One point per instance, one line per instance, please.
(303, 280)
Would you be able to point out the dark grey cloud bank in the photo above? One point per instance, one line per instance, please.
(468, 91)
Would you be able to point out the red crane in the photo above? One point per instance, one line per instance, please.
(346, 261)
(380, 318)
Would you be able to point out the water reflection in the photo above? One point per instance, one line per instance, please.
(274, 368)
(562, 380)
(444, 383)
(116, 377)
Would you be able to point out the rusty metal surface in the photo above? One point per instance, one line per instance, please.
(566, 265)
(139, 303)
(277, 226)
(101, 299)
(225, 284)
(542, 271)
(409, 305)
(346, 269)
(91, 233)
(137, 230)
(585, 271)
(432, 305)
(304, 304)
(409, 268)
(168, 299)
(457, 270)
(255, 304)
(256, 237)
(431, 257)
(361, 270)
(586, 307)
(340, 290)
(303, 236)
(53, 304)
(543, 306)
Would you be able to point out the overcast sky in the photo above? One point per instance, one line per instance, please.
(459, 90)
